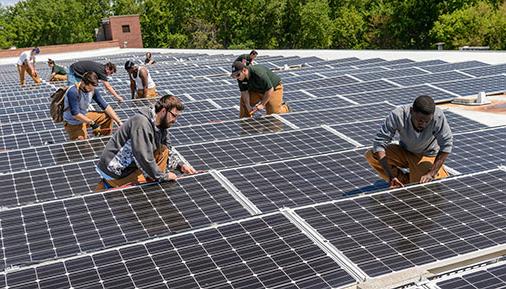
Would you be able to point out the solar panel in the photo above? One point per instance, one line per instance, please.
(455, 66)
(351, 88)
(338, 115)
(226, 130)
(491, 277)
(318, 103)
(392, 231)
(389, 74)
(403, 95)
(31, 139)
(478, 150)
(263, 148)
(418, 64)
(50, 155)
(264, 252)
(389, 62)
(430, 78)
(326, 82)
(473, 86)
(487, 70)
(308, 180)
(101, 220)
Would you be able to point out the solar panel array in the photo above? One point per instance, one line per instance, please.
(284, 201)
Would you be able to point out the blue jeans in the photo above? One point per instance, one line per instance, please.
(72, 78)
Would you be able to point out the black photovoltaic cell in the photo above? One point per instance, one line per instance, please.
(473, 86)
(488, 70)
(492, 277)
(27, 126)
(326, 82)
(31, 139)
(389, 74)
(351, 88)
(430, 78)
(305, 181)
(267, 252)
(389, 62)
(12, 108)
(67, 227)
(261, 149)
(288, 96)
(350, 71)
(339, 115)
(209, 116)
(362, 132)
(318, 103)
(44, 156)
(403, 95)
(216, 94)
(189, 106)
(455, 66)
(418, 64)
(48, 183)
(414, 226)
(478, 150)
(225, 130)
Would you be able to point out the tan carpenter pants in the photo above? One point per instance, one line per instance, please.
(151, 93)
(80, 131)
(137, 177)
(398, 157)
(59, 77)
(25, 68)
(275, 104)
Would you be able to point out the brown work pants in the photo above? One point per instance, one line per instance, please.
(274, 105)
(25, 68)
(80, 131)
(59, 77)
(137, 177)
(151, 93)
(398, 157)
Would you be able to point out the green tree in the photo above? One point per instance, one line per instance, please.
(350, 28)
(316, 28)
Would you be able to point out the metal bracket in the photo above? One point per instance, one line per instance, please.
(236, 193)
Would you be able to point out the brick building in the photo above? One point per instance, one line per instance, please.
(125, 29)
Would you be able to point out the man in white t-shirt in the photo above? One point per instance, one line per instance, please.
(26, 64)
(140, 81)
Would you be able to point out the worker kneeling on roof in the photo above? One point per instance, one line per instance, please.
(260, 88)
(425, 142)
(139, 151)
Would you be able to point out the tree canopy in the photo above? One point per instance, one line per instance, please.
(305, 24)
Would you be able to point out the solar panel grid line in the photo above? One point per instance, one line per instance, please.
(465, 73)
(341, 135)
(484, 276)
(307, 93)
(402, 216)
(289, 124)
(141, 211)
(353, 77)
(236, 193)
(443, 90)
(293, 256)
(392, 82)
(346, 99)
(321, 242)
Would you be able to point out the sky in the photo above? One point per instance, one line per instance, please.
(8, 2)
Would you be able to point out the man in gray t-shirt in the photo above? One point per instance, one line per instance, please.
(425, 142)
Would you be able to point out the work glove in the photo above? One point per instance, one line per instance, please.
(96, 128)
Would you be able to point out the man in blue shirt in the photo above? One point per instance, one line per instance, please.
(76, 117)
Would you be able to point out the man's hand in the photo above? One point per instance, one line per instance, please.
(427, 178)
(118, 123)
(186, 169)
(257, 108)
(394, 183)
(120, 99)
(171, 176)
(96, 128)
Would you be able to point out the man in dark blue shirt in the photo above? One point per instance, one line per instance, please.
(76, 116)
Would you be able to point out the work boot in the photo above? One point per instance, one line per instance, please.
(288, 107)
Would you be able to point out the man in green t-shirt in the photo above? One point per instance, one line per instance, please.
(260, 88)
(248, 59)
(58, 73)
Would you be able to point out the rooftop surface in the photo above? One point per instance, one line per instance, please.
(285, 201)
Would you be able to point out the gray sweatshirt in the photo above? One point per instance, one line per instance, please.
(437, 136)
(133, 146)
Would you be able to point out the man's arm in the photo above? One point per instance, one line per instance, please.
(111, 113)
(393, 181)
(245, 99)
(265, 99)
(109, 88)
(144, 78)
(132, 86)
(436, 166)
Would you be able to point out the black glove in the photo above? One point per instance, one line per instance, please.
(94, 126)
